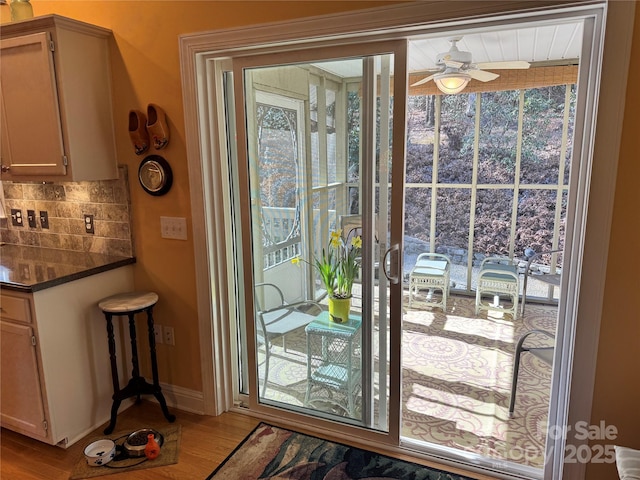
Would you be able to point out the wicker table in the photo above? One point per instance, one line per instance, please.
(333, 361)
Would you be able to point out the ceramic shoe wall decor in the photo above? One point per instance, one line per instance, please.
(157, 126)
(138, 131)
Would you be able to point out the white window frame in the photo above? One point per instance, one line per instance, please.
(560, 188)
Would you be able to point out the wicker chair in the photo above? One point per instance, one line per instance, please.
(498, 276)
(431, 271)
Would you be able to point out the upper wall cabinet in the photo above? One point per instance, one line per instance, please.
(55, 99)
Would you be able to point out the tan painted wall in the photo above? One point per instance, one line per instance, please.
(146, 69)
(617, 397)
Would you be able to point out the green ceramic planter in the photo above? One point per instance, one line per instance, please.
(339, 309)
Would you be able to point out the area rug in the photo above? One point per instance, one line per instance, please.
(456, 380)
(168, 455)
(276, 453)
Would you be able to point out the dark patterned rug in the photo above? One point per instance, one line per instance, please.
(275, 453)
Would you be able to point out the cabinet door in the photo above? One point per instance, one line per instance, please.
(30, 109)
(21, 400)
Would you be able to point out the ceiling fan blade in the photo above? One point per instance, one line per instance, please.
(453, 64)
(424, 80)
(516, 64)
(482, 76)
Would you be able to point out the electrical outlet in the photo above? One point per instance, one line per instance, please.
(44, 219)
(16, 218)
(31, 218)
(173, 227)
(157, 330)
(89, 226)
(169, 339)
(25, 272)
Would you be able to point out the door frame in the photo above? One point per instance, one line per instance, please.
(204, 52)
(369, 49)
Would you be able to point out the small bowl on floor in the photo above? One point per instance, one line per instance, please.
(135, 443)
(100, 452)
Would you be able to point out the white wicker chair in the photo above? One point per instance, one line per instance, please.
(498, 276)
(431, 271)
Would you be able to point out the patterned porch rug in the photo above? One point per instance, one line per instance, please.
(456, 379)
(275, 453)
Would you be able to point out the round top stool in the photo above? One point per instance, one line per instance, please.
(128, 302)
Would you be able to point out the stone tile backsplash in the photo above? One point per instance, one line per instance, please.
(66, 204)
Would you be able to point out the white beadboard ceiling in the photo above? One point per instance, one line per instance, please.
(557, 44)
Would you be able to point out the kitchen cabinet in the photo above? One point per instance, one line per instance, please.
(21, 377)
(56, 378)
(55, 101)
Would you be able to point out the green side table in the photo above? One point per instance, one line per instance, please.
(334, 361)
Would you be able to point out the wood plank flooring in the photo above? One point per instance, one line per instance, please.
(206, 441)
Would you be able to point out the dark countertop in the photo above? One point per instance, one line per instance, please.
(29, 269)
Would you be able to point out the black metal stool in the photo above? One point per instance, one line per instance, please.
(129, 304)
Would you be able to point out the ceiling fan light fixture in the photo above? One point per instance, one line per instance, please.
(451, 82)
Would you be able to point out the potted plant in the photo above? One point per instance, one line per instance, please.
(338, 266)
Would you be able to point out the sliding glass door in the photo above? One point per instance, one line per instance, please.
(307, 105)
(314, 153)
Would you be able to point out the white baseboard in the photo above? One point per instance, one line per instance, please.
(181, 398)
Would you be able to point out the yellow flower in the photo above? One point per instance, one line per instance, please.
(295, 260)
(336, 238)
(356, 242)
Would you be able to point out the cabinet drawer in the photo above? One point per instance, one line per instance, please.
(15, 308)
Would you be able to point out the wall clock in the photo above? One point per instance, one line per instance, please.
(155, 175)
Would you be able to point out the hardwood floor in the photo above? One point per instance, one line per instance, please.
(205, 442)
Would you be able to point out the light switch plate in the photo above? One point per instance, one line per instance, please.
(44, 219)
(31, 218)
(173, 227)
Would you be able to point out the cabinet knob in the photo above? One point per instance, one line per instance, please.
(5, 169)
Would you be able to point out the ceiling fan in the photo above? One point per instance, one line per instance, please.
(455, 68)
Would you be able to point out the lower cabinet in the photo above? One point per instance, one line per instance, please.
(56, 383)
(22, 399)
